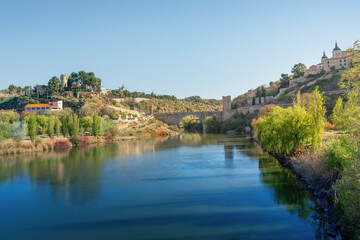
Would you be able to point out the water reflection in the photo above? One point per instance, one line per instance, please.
(78, 176)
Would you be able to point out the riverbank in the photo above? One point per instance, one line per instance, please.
(126, 130)
(312, 170)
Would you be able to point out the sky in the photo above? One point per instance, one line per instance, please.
(184, 48)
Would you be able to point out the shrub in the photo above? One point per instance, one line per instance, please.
(75, 140)
(264, 110)
(109, 137)
(161, 132)
(114, 116)
(19, 130)
(282, 96)
(84, 140)
(63, 143)
(212, 125)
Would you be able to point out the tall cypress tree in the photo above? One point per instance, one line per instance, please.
(96, 125)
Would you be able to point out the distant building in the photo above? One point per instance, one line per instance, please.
(338, 60)
(41, 108)
(76, 85)
(104, 90)
(123, 88)
(40, 90)
(64, 80)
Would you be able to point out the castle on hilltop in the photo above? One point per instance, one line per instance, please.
(338, 61)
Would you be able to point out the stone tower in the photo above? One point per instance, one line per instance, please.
(64, 80)
(336, 51)
(226, 101)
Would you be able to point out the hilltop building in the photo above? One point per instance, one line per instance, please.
(338, 60)
(123, 88)
(41, 108)
(64, 80)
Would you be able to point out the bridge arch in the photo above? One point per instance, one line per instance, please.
(176, 117)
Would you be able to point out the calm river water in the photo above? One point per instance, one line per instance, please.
(188, 187)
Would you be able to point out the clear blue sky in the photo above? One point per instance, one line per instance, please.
(183, 48)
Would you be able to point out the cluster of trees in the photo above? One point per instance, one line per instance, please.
(67, 124)
(16, 89)
(344, 154)
(10, 127)
(282, 131)
(85, 78)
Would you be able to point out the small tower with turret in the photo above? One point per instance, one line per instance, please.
(324, 57)
(64, 80)
(336, 51)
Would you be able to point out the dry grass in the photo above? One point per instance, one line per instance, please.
(161, 132)
(314, 168)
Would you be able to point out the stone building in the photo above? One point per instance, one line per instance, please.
(338, 60)
(64, 80)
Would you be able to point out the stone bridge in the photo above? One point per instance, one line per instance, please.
(176, 117)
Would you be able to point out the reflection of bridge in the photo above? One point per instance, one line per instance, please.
(175, 118)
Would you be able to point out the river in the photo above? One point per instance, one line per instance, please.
(187, 187)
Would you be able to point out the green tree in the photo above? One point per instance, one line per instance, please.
(64, 125)
(96, 125)
(42, 123)
(298, 69)
(9, 117)
(73, 125)
(347, 118)
(86, 123)
(32, 127)
(51, 125)
(54, 85)
(5, 130)
(57, 127)
(338, 112)
(12, 88)
(317, 110)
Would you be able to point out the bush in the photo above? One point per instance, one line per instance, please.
(63, 143)
(282, 96)
(212, 125)
(75, 140)
(109, 137)
(84, 141)
(5, 130)
(19, 130)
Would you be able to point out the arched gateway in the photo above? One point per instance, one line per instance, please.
(176, 117)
